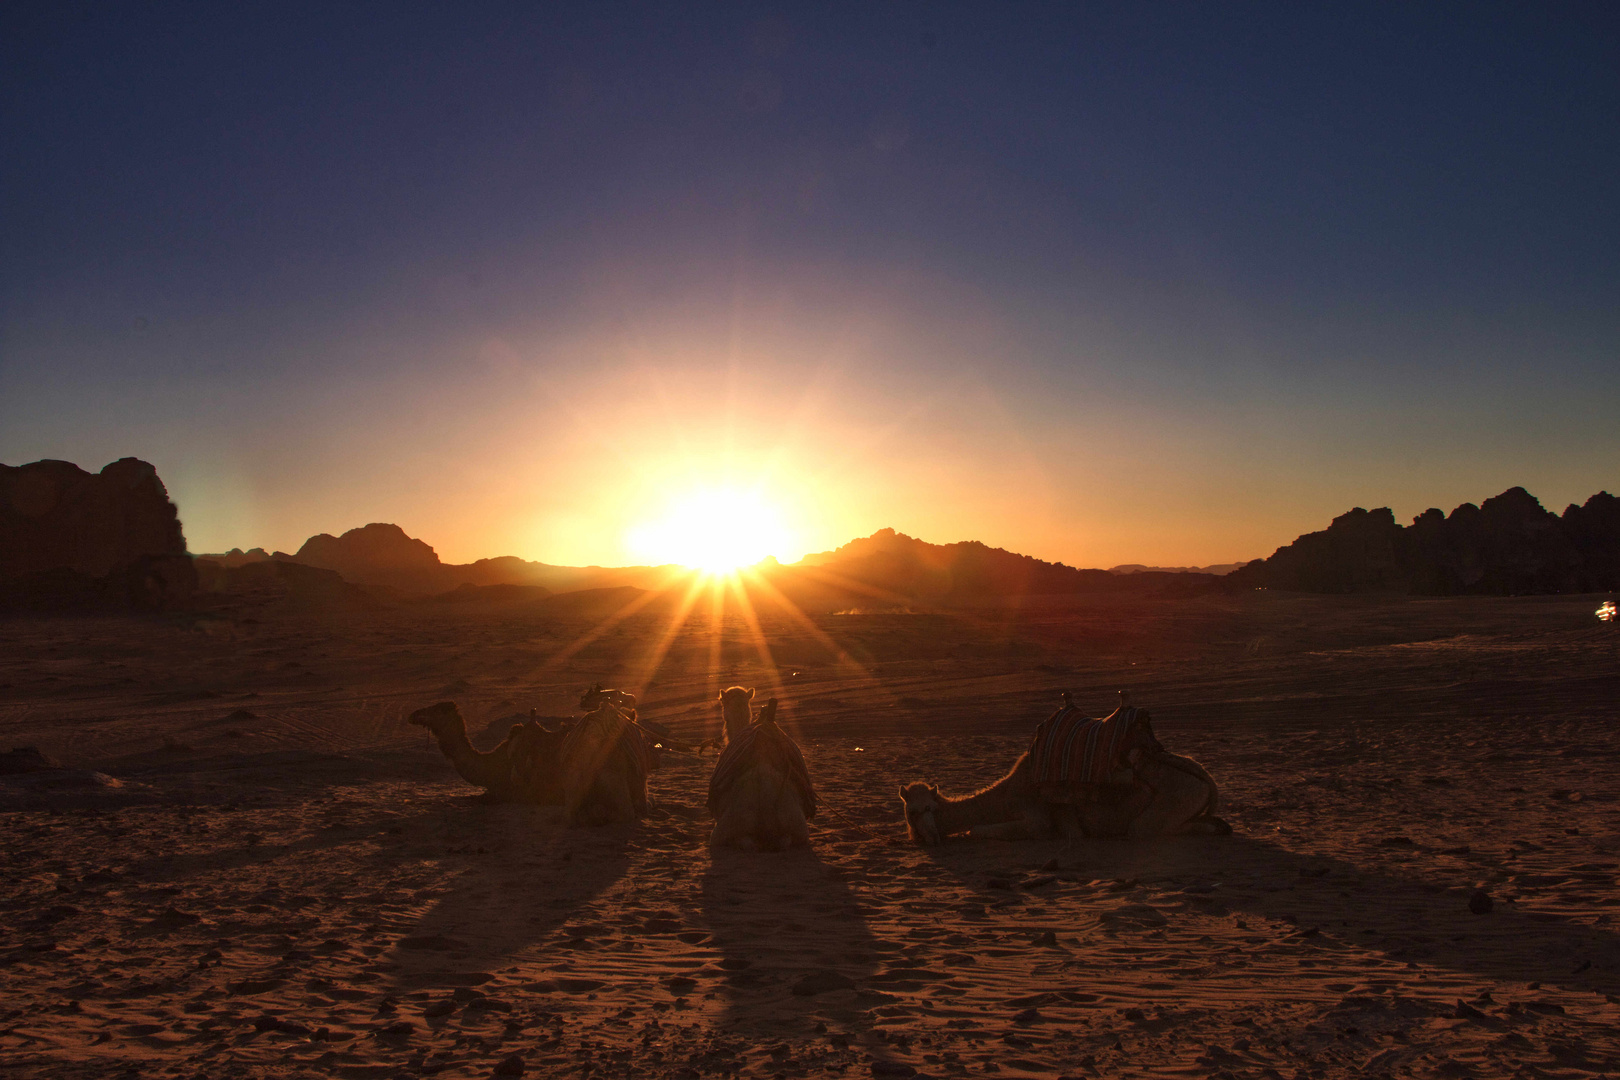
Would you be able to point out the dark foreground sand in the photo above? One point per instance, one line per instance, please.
(277, 877)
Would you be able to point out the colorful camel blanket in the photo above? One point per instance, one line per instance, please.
(1073, 750)
(762, 744)
(625, 738)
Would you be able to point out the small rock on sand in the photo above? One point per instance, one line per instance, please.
(510, 1065)
(1480, 902)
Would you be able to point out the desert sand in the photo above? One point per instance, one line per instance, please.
(251, 866)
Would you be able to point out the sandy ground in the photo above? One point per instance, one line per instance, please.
(270, 874)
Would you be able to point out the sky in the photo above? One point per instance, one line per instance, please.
(1099, 283)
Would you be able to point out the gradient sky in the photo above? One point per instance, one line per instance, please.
(1098, 283)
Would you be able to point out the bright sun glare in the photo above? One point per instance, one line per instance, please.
(712, 529)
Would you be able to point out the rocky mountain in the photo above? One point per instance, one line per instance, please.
(1507, 545)
(382, 556)
(1218, 569)
(892, 566)
(70, 538)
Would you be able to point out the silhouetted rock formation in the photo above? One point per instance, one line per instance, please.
(889, 566)
(237, 557)
(1218, 569)
(1508, 545)
(377, 549)
(73, 539)
(383, 557)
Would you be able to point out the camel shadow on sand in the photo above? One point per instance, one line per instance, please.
(793, 939)
(510, 877)
(1332, 904)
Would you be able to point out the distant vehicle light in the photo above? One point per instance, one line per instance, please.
(1607, 611)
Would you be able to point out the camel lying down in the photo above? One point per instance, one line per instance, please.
(760, 793)
(524, 768)
(1144, 792)
(595, 767)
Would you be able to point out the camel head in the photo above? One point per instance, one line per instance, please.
(736, 708)
(922, 801)
(441, 717)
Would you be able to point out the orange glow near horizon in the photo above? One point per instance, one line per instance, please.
(716, 530)
(713, 606)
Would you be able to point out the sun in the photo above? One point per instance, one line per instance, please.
(715, 529)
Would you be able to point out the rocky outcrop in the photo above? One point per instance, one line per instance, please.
(237, 557)
(69, 538)
(1508, 545)
(376, 549)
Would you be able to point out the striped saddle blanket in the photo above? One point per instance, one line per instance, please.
(612, 734)
(762, 744)
(1073, 750)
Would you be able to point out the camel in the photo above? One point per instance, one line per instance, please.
(659, 736)
(1148, 793)
(760, 794)
(604, 763)
(523, 768)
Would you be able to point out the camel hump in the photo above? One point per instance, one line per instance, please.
(1071, 749)
(763, 745)
(608, 735)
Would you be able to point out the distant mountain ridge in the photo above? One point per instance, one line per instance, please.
(890, 563)
(1508, 545)
(382, 555)
(1218, 569)
(885, 568)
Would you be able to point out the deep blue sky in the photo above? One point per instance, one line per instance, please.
(1098, 282)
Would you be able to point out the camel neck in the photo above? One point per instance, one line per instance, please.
(736, 725)
(996, 803)
(470, 762)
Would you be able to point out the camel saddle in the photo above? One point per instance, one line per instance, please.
(764, 743)
(1090, 758)
(629, 742)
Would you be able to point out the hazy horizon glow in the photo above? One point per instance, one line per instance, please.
(1092, 284)
(714, 529)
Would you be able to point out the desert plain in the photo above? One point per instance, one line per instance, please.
(249, 865)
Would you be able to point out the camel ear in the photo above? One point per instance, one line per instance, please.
(902, 791)
(750, 693)
(933, 789)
